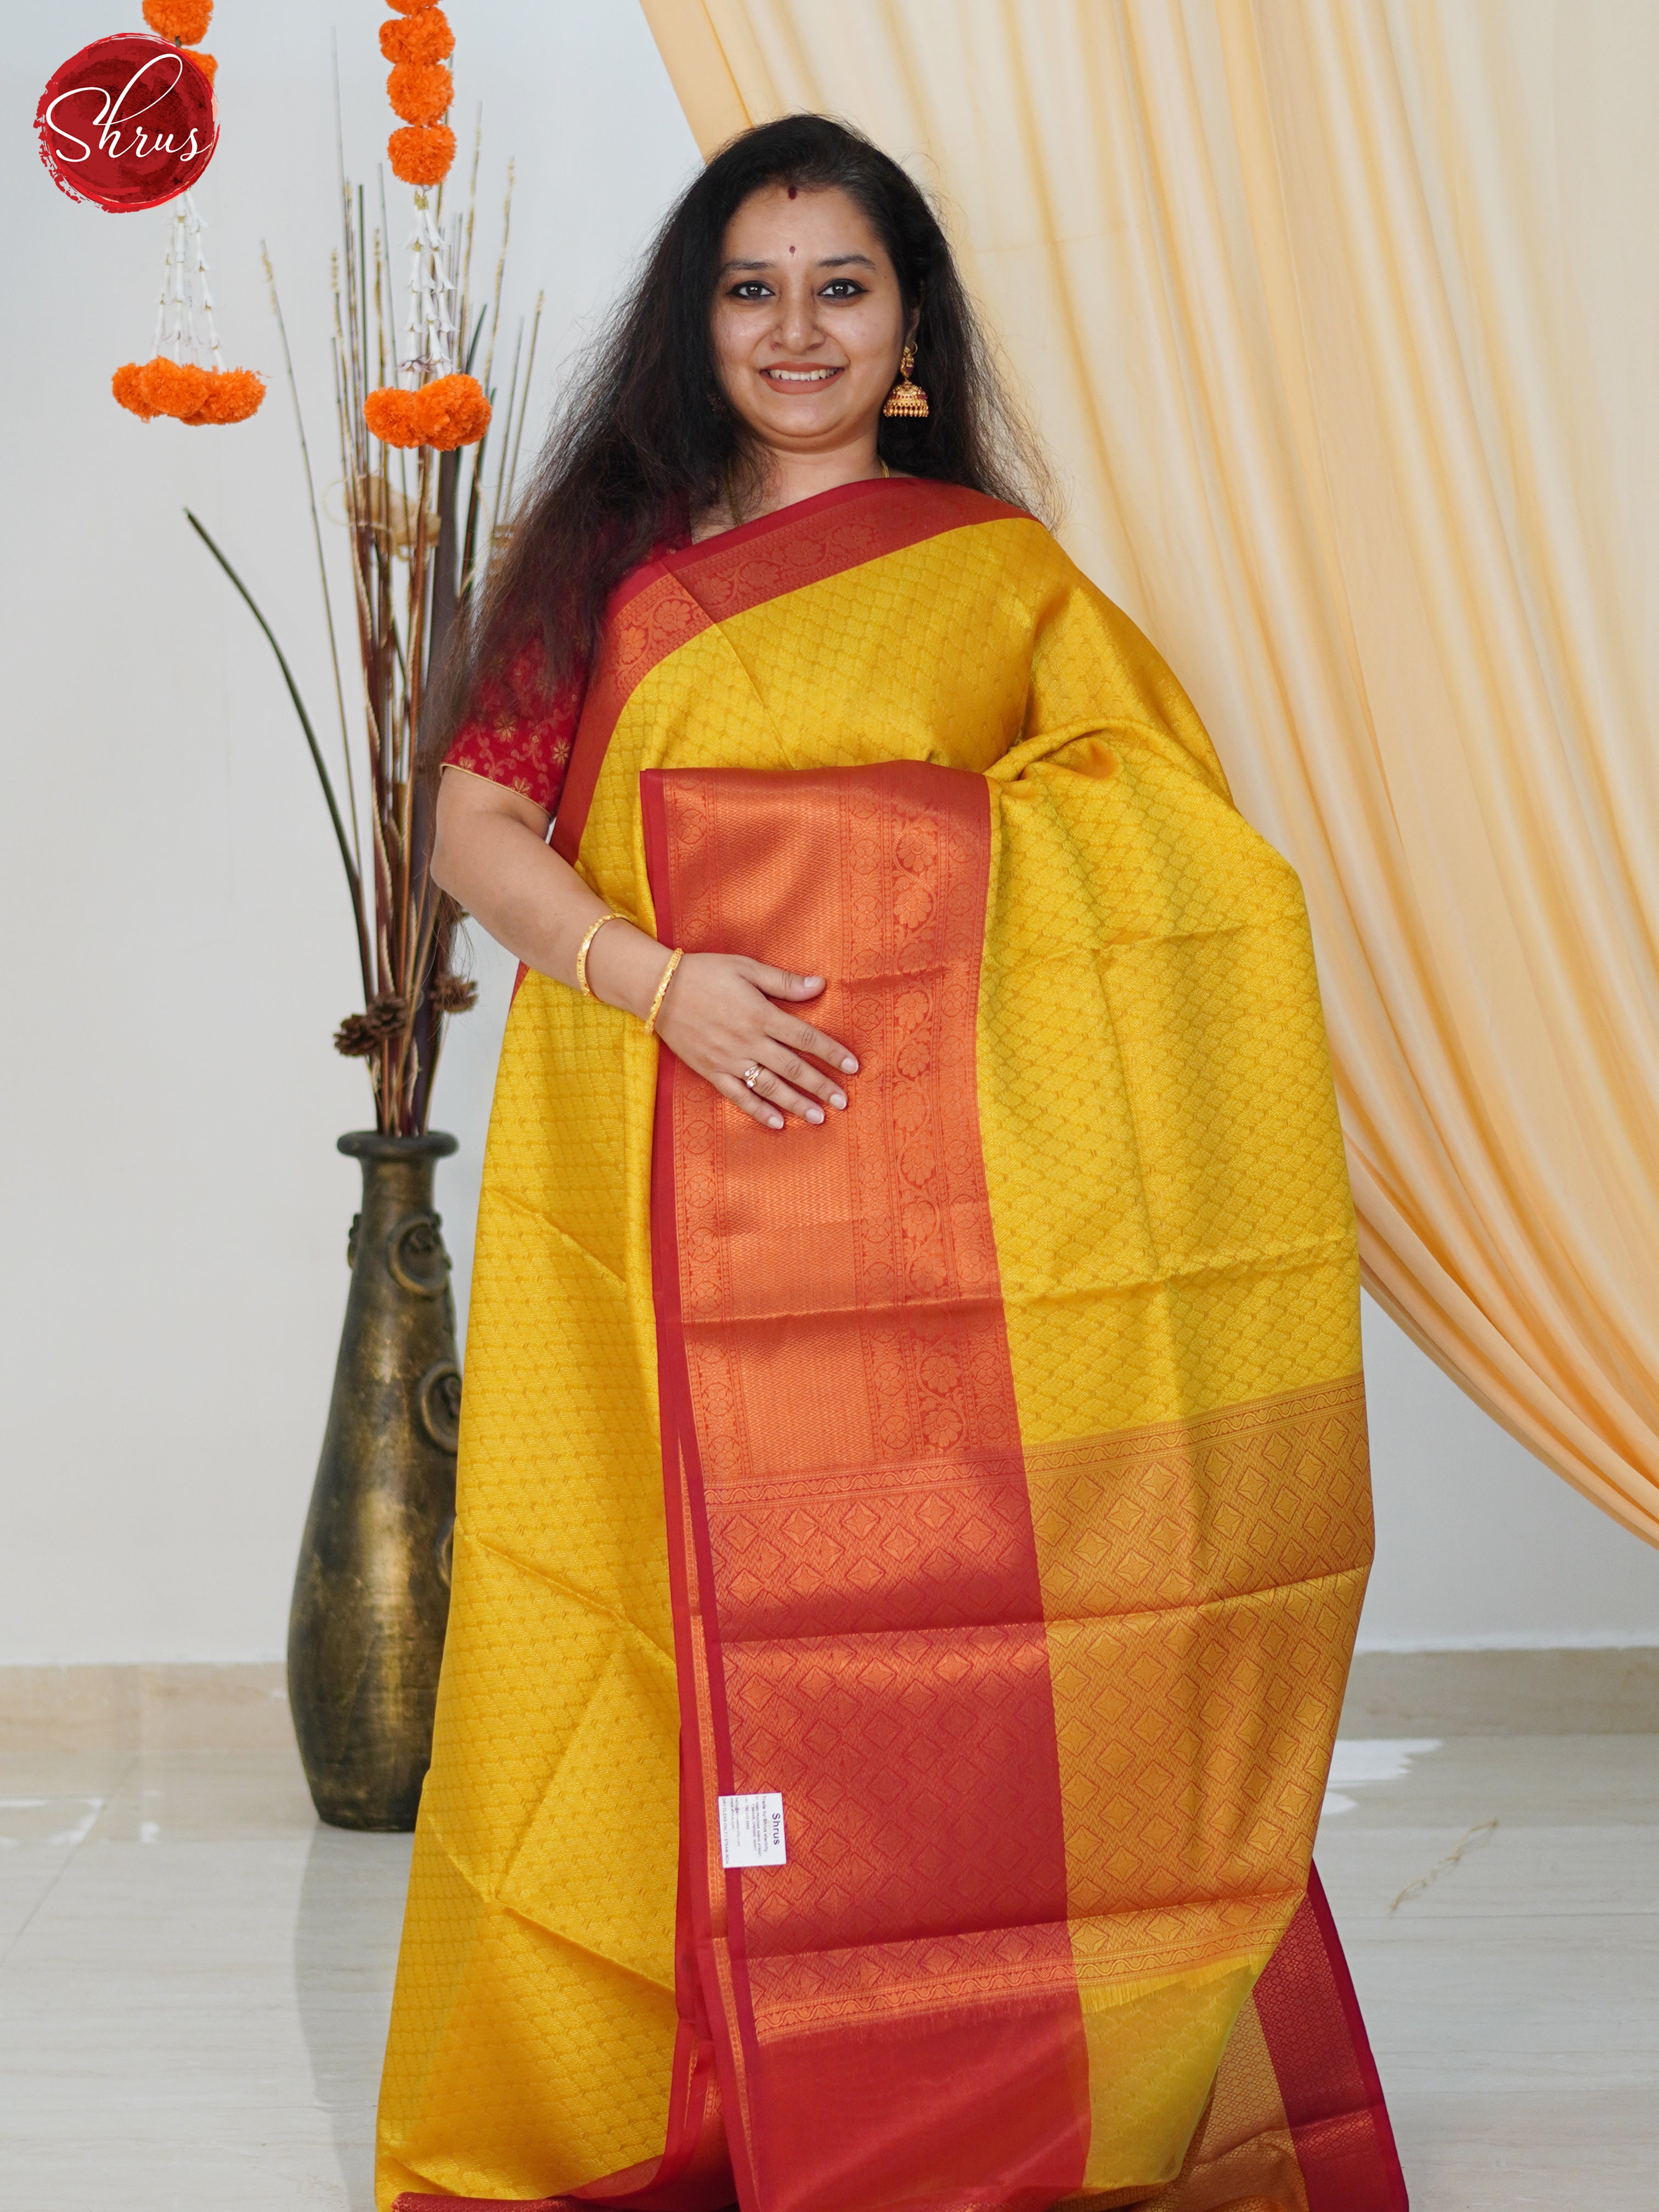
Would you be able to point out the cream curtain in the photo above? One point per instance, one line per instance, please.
(1340, 317)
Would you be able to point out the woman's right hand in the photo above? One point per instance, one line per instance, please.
(719, 1016)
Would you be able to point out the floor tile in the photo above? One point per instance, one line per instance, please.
(195, 1976)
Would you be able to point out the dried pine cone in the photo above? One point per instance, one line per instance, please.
(355, 1038)
(358, 1035)
(454, 995)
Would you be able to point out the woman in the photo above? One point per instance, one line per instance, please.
(913, 1499)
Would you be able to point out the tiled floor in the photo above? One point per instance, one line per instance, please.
(194, 1975)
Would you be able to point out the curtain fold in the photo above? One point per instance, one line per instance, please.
(1338, 316)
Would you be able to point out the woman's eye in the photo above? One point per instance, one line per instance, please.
(751, 289)
(842, 287)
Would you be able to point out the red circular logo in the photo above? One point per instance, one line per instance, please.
(127, 123)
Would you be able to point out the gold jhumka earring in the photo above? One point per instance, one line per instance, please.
(905, 397)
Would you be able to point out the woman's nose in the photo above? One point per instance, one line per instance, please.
(798, 324)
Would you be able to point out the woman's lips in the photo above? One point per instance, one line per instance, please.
(801, 379)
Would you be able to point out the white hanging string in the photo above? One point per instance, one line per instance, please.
(176, 335)
(185, 287)
(429, 331)
(166, 286)
(197, 226)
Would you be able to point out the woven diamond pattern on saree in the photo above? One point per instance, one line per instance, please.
(983, 1472)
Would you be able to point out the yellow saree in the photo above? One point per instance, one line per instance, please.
(973, 1490)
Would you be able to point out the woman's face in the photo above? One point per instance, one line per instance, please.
(808, 322)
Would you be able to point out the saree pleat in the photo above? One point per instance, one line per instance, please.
(983, 1473)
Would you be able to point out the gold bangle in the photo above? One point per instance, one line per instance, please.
(593, 929)
(674, 960)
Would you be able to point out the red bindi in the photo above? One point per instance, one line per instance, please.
(791, 195)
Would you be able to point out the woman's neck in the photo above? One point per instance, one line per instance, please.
(788, 479)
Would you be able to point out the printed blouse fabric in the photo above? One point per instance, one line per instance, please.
(520, 727)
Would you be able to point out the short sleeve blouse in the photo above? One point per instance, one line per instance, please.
(520, 727)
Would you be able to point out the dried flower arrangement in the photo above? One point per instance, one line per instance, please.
(422, 517)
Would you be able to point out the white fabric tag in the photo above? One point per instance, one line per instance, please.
(751, 1830)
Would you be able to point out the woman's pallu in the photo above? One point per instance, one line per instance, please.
(970, 1493)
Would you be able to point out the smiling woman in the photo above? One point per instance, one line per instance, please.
(809, 328)
(912, 1509)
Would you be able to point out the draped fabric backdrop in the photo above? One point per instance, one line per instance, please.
(1339, 317)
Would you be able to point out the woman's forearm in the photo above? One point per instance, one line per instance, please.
(727, 1017)
(533, 901)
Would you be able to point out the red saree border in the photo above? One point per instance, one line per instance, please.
(975, 1896)
(674, 596)
(1328, 2078)
(709, 1899)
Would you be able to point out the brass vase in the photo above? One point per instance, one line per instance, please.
(371, 1593)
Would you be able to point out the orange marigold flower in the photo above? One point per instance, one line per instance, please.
(206, 63)
(419, 91)
(421, 153)
(391, 416)
(184, 21)
(451, 412)
(423, 37)
(127, 385)
(411, 7)
(173, 388)
(233, 395)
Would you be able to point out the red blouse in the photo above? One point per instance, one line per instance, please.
(520, 727)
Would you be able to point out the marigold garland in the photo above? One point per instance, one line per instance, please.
(453, 412)
(419, 91)
(195, 396)
(449, 412)
(423, 37)
(390, 414)
(184, 21)
(174, 387)
(128, 386)
(233, 395)
(168, 383)
(421, 153)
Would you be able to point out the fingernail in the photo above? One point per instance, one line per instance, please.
(774, 1122)
(815, 1113)
(813, 982)
(835, 1099)
(849, 1067)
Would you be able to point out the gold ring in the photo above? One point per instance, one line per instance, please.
(752, 1075)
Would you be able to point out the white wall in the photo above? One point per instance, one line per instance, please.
(177, 952)
(178, 949)
(1477, 1543)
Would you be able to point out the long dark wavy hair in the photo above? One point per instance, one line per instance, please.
(646, 435)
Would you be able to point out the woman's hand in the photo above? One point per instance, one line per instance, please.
(718, 1015)
(720, 1019)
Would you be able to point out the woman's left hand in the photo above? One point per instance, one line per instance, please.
(720, 1016)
